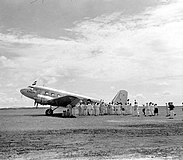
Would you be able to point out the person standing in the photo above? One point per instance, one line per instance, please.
(84, 109)
(105, 108)
(89, 109)
(69, 110)
(97, 108)
(109, 108)
(123, 109)
(171, 108)
(112, 108)
(144, 110)
(136, 109)
(148, 109)
(102, 108)
(94, 109)
(130, 108)
(80, 109)
(155, 109)
(152, 109)
(167, 110)
(115, 108)
(118, 109)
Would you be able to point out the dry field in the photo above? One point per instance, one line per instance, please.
(28, 134)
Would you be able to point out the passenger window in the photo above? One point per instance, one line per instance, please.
(58, 95)
(46, 93)
(52, 94)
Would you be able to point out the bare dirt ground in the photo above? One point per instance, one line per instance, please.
(28, 134)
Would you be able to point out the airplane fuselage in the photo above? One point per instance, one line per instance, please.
(43, 95)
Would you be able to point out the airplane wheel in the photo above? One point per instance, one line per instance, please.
(49, 112)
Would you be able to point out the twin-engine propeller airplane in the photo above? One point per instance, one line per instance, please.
(59, 98)
(53, 97)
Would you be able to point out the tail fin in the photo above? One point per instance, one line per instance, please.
(121, 97)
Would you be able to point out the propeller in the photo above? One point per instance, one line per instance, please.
(35, 104)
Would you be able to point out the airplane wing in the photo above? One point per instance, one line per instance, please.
(64, 101)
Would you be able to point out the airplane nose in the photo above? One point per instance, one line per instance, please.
(23, 91)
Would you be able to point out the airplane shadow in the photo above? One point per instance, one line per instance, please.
(57, 115)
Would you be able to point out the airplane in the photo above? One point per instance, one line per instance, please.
(58, 98)
(53, 97)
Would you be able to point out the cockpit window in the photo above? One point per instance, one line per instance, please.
(30, 88)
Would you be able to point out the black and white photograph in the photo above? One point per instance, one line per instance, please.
(91, 80)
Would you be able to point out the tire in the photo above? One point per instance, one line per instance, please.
(49, 112)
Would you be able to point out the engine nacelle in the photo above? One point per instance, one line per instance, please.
(41, 101)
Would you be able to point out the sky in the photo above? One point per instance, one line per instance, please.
(92, 47)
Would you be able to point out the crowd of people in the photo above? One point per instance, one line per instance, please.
(89, 109)
(150, 109)
(102, 108)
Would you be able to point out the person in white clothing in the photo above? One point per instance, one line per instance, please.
(96, 109)
(149, 109)
(152, 109)
(167, 110)
(136, 109)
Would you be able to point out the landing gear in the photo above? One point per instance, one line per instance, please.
(49, 112)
